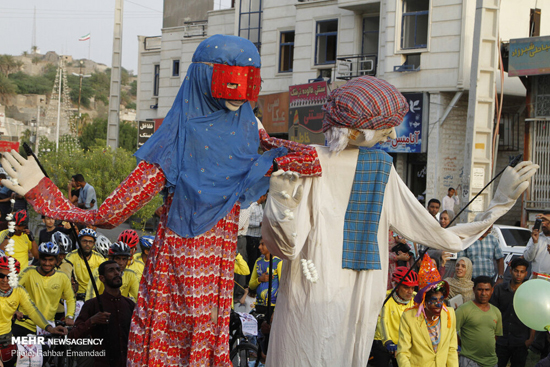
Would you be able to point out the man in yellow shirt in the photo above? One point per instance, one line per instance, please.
(140, 258)
(387, 329)
(120, 253)
(10, 300)
(46, 287)
(23, 238)
(65, 266)
(87, 239)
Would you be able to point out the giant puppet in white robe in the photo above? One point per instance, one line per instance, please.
(326, 315)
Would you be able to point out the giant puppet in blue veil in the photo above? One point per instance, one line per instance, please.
(208, 153)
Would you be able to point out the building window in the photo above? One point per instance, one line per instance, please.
(286, 51)
(326, 35)
(250, 21)
(156, 80)
(414, 25)
(175, 68)
(371, 26)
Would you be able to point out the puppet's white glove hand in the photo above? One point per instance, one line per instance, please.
(26, 171)
(515, 181)
(285, 188)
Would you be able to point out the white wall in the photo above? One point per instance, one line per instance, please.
(145, 82)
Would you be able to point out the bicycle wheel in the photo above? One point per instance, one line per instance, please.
(242, 354)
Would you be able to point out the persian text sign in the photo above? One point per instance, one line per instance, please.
(6, 146)
(409, 132)
(274, 112)
(305, 117)
(312, 92)
(145, 131)
(529, 56)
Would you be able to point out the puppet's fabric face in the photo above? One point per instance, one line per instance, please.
(359, 138)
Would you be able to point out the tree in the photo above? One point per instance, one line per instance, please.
(133, 88)
(102, 167)
(9, 65)
(29, 84)
(7, 88)
(97, 130)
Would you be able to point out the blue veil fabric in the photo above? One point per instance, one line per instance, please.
(209, 154)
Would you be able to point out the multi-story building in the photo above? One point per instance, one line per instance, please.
(426, 47)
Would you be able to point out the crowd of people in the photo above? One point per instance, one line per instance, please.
(465, 317)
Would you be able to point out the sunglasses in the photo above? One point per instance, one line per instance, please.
(2, 276)
(435, 301)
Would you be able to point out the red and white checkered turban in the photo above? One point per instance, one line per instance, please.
(365, 103)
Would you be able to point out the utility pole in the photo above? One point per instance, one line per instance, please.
(80, 75)
(478, 150)
(116, 69)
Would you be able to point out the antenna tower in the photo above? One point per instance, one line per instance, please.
(57, 115)
(33, 43)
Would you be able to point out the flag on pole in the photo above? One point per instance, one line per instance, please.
(85, 38)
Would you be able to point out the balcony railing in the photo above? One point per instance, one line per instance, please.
(348, 67)
(195, 29)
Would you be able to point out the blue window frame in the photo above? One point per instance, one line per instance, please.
(175, 68)
(286, 52)
(156, 80)
(326, 37)
(250, 21)
(414, 24)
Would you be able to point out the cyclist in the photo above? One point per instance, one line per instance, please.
(140, 258)
(120, 253)
(24, 240)
(10, 300)
(65, 266)
(131, 238)
(387, 330)
(46, 287)
(87, 239)
(102, 245)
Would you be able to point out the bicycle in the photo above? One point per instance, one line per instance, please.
(242, 352)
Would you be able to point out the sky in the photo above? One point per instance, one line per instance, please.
(60, 23)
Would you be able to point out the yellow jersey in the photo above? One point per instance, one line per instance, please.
(137, 265)
(21, 248)
(389, 318)
(129, 288)
(82, 276)
(67, 268)
(46, 292)
(8, 305)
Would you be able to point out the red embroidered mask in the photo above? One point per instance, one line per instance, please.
(247, 79)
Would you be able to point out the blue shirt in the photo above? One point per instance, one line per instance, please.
(87, 195)
(483, 254)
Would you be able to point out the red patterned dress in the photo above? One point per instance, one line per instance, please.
(182, 313)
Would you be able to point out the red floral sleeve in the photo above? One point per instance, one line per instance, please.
(301, 158)
(132, 194)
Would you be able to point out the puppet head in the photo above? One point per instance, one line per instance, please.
(235, 69)
(363, 112)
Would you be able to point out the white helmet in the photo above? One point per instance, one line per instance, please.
(102, 245)
(63, 241)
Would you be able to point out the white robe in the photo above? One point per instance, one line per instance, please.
(332, 322)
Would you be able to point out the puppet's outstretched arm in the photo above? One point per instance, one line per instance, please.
(132, 194)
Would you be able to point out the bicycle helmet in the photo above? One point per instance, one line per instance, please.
(63, 241)
(87, 232)
(146, 242)
(102, 245)
(20, 217)
(119, 249)
(129, 237)
(411, 280)
(48, 248)
(4, 264)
